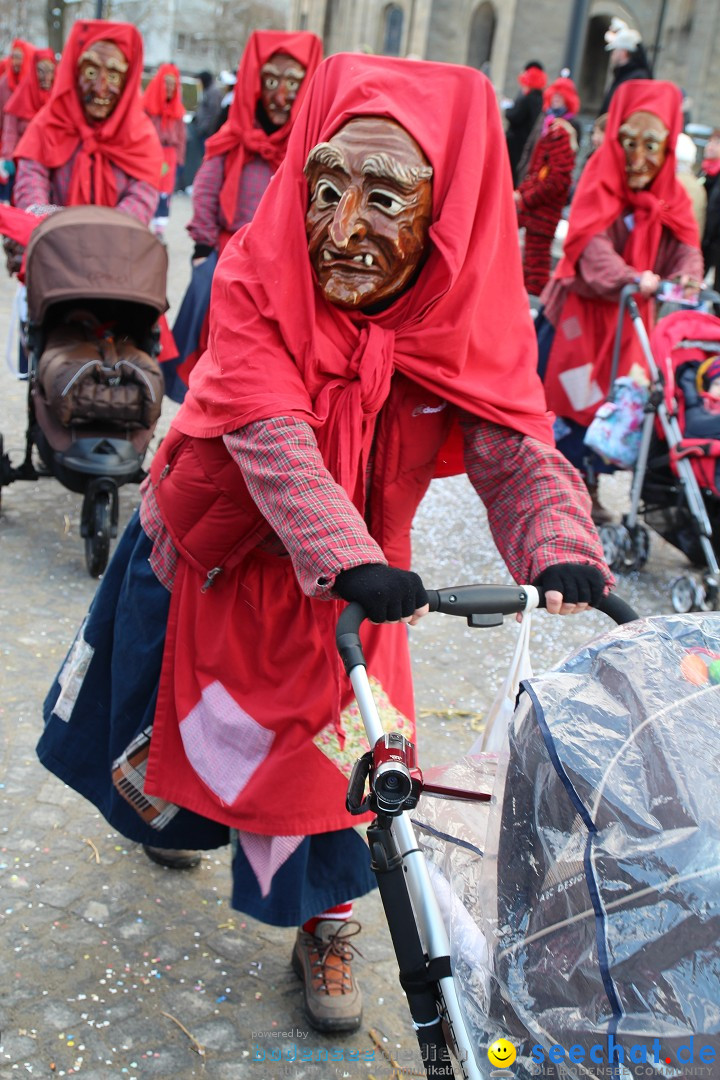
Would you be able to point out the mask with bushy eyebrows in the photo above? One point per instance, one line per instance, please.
(644, 139)
(369, 214)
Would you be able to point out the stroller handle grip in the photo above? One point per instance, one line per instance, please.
(467, 601)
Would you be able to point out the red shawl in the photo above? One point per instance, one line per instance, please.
(126, 139)
(602, 196)
(29, 98)
(239, 135)
(14, 80)
(463, 330)
(155, 100)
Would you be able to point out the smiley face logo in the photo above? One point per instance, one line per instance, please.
(501, 1053)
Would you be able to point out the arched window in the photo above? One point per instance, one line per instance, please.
(482, 32)
(392, 36)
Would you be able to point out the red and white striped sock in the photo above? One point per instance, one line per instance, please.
(339, 913)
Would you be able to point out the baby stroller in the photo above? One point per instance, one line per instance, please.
(674, 488)
(95, 290)
(558, 914)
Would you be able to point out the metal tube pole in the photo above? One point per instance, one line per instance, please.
(658, 36)
(98, 9)
(576, 37)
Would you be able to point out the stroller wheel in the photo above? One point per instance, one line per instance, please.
(636, 546)
(686, 595)
(641, 545)
(609, 540)
(97, 542)
(617, 547)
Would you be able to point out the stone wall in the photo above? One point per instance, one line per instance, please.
(537, 29)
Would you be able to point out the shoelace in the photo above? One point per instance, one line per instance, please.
(336, 946)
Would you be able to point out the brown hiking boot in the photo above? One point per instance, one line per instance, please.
(333, 1000)
(173, 858)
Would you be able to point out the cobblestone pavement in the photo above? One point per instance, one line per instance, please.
(113, 967)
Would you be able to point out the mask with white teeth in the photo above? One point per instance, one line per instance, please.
(369, 213)
(102, 75)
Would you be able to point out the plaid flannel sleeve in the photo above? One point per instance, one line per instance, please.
(139, 200)
(312, 515)
(32, 184)
(204, 227)
(537, 505)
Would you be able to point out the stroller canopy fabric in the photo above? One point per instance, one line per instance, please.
(94, 252)
(598, 893)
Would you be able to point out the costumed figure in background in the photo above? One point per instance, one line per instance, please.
(521, 114)
(16, 67)
(358, 346)
(544, 192)
(93, 145)
(630, 222)
(240, 159)
(32, 93)
(162, 102)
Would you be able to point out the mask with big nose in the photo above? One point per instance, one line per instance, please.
(280, 81)
(102, 74)
(644, 139)
(369, 214)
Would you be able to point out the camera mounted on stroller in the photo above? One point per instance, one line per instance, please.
(394, 780)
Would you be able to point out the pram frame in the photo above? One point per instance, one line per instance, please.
(657, 408)
(413, 914)
(69, 271)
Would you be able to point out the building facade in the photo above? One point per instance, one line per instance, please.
(682, 37)
(194, 34)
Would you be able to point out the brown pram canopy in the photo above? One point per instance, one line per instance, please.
(94, 252)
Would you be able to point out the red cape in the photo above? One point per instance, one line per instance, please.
(239, 135)
(14, 80)
(126, 139)
(462, 331)
(155, 102)
(602, 196)
(602, 193)
(18, 224)
(29, 98)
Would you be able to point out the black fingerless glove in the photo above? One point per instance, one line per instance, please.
(579, 583)
(385, 593)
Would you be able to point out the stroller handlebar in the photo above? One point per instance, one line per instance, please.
(473, 602)
(664, 292)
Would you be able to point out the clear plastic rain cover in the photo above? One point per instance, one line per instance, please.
(583, 904)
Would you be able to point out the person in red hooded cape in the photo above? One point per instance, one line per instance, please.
(359, 340)
(631, 222)
(99, 148)
(92, 144)
(15, 68)
(32, 93)
(162, 102)
(240, 160)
